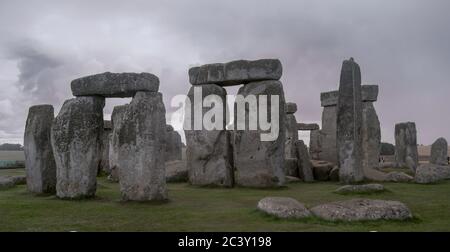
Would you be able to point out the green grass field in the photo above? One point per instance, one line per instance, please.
(211, 209)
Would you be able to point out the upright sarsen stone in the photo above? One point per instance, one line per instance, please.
(116, 122)
(406, 154)
(106, 137)
(209, 159)
(371, 135)
(291, 134)
(141, 149)
(173, 144)
(260, 163)
(40, 164)
(349, 124)
(439, 152)
(328, 134)
(76, 136)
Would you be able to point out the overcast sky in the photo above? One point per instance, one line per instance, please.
(403, 46)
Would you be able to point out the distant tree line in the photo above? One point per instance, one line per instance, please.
(10, 147)
(387, 149)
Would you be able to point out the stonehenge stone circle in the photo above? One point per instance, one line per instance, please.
(114, 84)
(305, 170)
(406, 154)
(362, 210)
(439, 152)
(173, 144)
(371, 136)
(283, 207)
(349, 124)
(116, 122)
(76, 135)
(208, 153)
(40, 164)
(236, 72)
(261, 163)
(142, 135)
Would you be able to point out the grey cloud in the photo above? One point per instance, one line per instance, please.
(403, 46)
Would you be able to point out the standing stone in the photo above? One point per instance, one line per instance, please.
(261, 163)
(328, 134)
(209, 159)
(116, 122)
(104, 161)
(349, 123)
(371, 135)
(406, 154)
(76, 137)
(305, 168)
(142, 136)
(315, 144)
(40, 164)
(173, 144)
(439, 152)
(291, 131)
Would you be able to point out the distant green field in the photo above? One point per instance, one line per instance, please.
(12, 155)
(212, 209)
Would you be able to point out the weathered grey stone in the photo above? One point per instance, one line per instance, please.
(40, 164)
(369, 93)
(406, 145)
(6, 183)
(439, 152)
(398, 177)
(367, 188)
(315, 144)
(329, 98)
(106, 137)
(236, 72)
(261, 163)
(209, 157)
(321, 169)
(176, 171)
(116, 122)
(76, 134)
(328, 135)
(362, 210)
(305, 170)
(349, 124)
(431, 173)
(291, 167)
(371, 137)
(115, 84)
(173, 145)
(307, 126)
(283, 207)
(371, 174)
(291, 108)
(291, 136)
(334, 174)
(142, 135)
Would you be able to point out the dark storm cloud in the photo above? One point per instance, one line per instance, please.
(403, 46)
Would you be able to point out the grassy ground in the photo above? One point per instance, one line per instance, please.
(211, 209)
